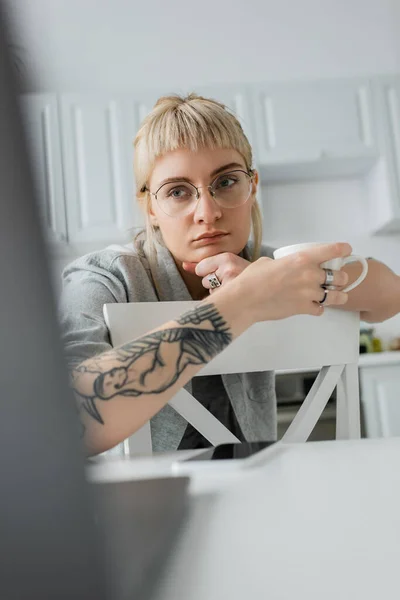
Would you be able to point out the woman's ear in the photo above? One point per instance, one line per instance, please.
(152, 216)
(255, 179)
(153, 219)
(254, 183)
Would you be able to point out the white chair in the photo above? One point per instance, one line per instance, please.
(329, 343)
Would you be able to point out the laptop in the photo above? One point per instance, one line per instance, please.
(60, 538)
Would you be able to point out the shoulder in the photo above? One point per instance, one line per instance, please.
(120, 269)
(111, 261)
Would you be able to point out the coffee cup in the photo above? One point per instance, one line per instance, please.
(335, 263)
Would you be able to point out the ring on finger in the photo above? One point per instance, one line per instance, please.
(324, 298)
(213, 280)
(329, 277)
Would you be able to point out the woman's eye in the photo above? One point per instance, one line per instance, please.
(179, 193)
(225, 182)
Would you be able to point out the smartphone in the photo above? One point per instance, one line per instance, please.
(231, 451)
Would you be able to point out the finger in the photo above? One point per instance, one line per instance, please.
(205, 283)
(316, 310)
(208, 265)
(333, 298)
(324, 252)
(340, 278)
(190, 267)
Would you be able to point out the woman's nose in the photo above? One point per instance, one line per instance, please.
(207, 209)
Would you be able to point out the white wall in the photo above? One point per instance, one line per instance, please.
(396, 29)
(92, 44)
(328, 212)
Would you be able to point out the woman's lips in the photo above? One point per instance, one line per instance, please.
(204, 241)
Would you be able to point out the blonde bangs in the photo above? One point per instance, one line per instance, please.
(191, 123)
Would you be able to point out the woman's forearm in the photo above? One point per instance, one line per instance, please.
(120, 390)
(377, 298)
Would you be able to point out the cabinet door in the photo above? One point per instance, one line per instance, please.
(135, 109)
(380, 396)
(302, 122)
(42, 129)
(99, 205)
(387, 95)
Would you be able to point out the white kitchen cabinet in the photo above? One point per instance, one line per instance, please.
(97, 181)
(315, 124)
(82, 147)
(40, 113)
(135, 108)
(386, 212)
(380, 397)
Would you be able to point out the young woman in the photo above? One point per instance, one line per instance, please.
(197, 187)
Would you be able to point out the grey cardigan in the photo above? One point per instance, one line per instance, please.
(122, 274)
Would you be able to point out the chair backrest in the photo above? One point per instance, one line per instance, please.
(299, 342)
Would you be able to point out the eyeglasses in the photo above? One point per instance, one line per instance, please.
(180, 198)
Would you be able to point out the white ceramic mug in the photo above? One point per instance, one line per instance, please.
(335, 264)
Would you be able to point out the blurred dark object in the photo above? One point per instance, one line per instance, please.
(50, 530)
(15, 53)
(366, 340)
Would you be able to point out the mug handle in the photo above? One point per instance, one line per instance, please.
(362, 260)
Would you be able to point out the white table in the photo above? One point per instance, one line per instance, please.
(314, 521)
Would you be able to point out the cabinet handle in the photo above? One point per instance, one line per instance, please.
(49, 168)
(364, 116)
(394, 116)
(269, 123)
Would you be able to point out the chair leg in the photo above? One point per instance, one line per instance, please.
(348, 422)
(198, 416)
(139, 442)
(195, 413)
(308, 414)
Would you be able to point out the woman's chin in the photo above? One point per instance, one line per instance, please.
(211, 250)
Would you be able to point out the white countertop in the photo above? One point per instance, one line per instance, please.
(316, 520)
(308, 521)
(379, 358)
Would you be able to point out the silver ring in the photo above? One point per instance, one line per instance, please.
(213, 280)
(324, 298)
(329, 277)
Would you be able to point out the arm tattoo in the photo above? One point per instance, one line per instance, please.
(153, 363)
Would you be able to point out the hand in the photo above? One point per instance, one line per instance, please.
(277, 289)
(226, 266)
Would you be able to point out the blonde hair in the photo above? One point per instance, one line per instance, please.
(191, 122)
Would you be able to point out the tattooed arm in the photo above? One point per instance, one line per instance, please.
(119, 390)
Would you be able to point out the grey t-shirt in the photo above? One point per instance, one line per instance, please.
(123, 274)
